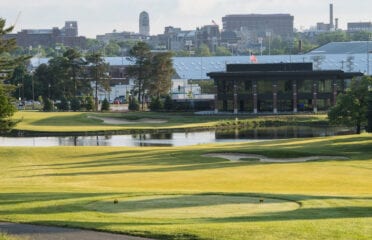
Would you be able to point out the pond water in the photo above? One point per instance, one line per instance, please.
(177, 139)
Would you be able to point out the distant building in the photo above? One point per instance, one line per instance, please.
(259, 24)
(359, 26)
(175, 39)
(323, 27)
(119, 37)
(144, 24)
(277, 87)
(68, 36)
(209, 35)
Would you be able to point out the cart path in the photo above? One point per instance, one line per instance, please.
(37, 232)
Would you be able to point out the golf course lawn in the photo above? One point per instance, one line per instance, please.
(88, 121)
(176, 193)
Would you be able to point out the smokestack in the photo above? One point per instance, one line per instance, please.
(336, 23)
(331, 26)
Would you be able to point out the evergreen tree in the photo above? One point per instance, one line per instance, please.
(7, 66)
(98, 70)
(105, 105)
(168, 103)
(140, 56)
(75, 104)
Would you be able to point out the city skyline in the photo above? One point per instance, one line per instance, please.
(99, 17)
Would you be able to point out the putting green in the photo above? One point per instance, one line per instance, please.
(192, 206)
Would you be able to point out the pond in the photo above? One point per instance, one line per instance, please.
(177, 138)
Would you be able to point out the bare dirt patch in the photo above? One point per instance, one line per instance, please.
(236, 157)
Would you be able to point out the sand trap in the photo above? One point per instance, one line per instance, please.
(235, 157)
(117, 121)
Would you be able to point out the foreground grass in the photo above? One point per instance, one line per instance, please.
(4, 236)
(175, 193)
(81, 122)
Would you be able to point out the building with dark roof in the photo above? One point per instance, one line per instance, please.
(277, 87)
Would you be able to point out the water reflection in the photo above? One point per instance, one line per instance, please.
(176, 139)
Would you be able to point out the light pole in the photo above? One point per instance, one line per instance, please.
(368, 52)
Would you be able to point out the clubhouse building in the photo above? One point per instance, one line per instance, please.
(277, 87)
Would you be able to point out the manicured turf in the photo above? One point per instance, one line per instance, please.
(80, 122)
(175, 193)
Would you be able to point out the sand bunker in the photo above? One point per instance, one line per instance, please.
(236, 157)
(118, 121)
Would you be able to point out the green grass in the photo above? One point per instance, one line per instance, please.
(175, 193)
(80, 122)
(4, 236)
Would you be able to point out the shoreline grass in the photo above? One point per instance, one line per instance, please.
(70, 122)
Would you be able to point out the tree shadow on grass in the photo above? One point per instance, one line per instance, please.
(75, 203)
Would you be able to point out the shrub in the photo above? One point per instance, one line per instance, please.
(156, 104)
(133, 104)
(48, 105)
(168, 103)
(105, 105)
(64, 105)
(89, 103)
(75, 104)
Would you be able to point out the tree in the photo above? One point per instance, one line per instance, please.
(222, 51)
(73, 65)
(161, 74)
(203, 51)
(98, 70)
(351, 106)
(140, 56)
(7, 66)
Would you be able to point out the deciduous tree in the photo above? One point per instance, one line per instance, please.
(351, 106)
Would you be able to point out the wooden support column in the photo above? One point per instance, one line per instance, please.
(334, 91)
(315, 96)
(294, 91)
(235, 98)
(255, 97)
(275, 97)
(215, 98)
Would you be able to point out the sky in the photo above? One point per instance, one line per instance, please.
(102, 16)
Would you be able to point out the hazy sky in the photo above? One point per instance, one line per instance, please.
(102, 16)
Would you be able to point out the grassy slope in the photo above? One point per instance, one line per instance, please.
(59, 185)
(79, 122)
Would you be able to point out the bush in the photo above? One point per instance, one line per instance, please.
(48, 105)
(105, 105)
(156, 104)
(75, 104)
(89, 103)
(168, 103)
(133, 104)
(64, 105)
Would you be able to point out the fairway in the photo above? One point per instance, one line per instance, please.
(182, 193)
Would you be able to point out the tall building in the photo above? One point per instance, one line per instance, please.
(70, 29)
(260, 24)
(68, 36)
(209, 35)
(144, 24)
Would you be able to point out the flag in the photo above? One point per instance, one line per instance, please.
(253, 59)
(214, 23)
